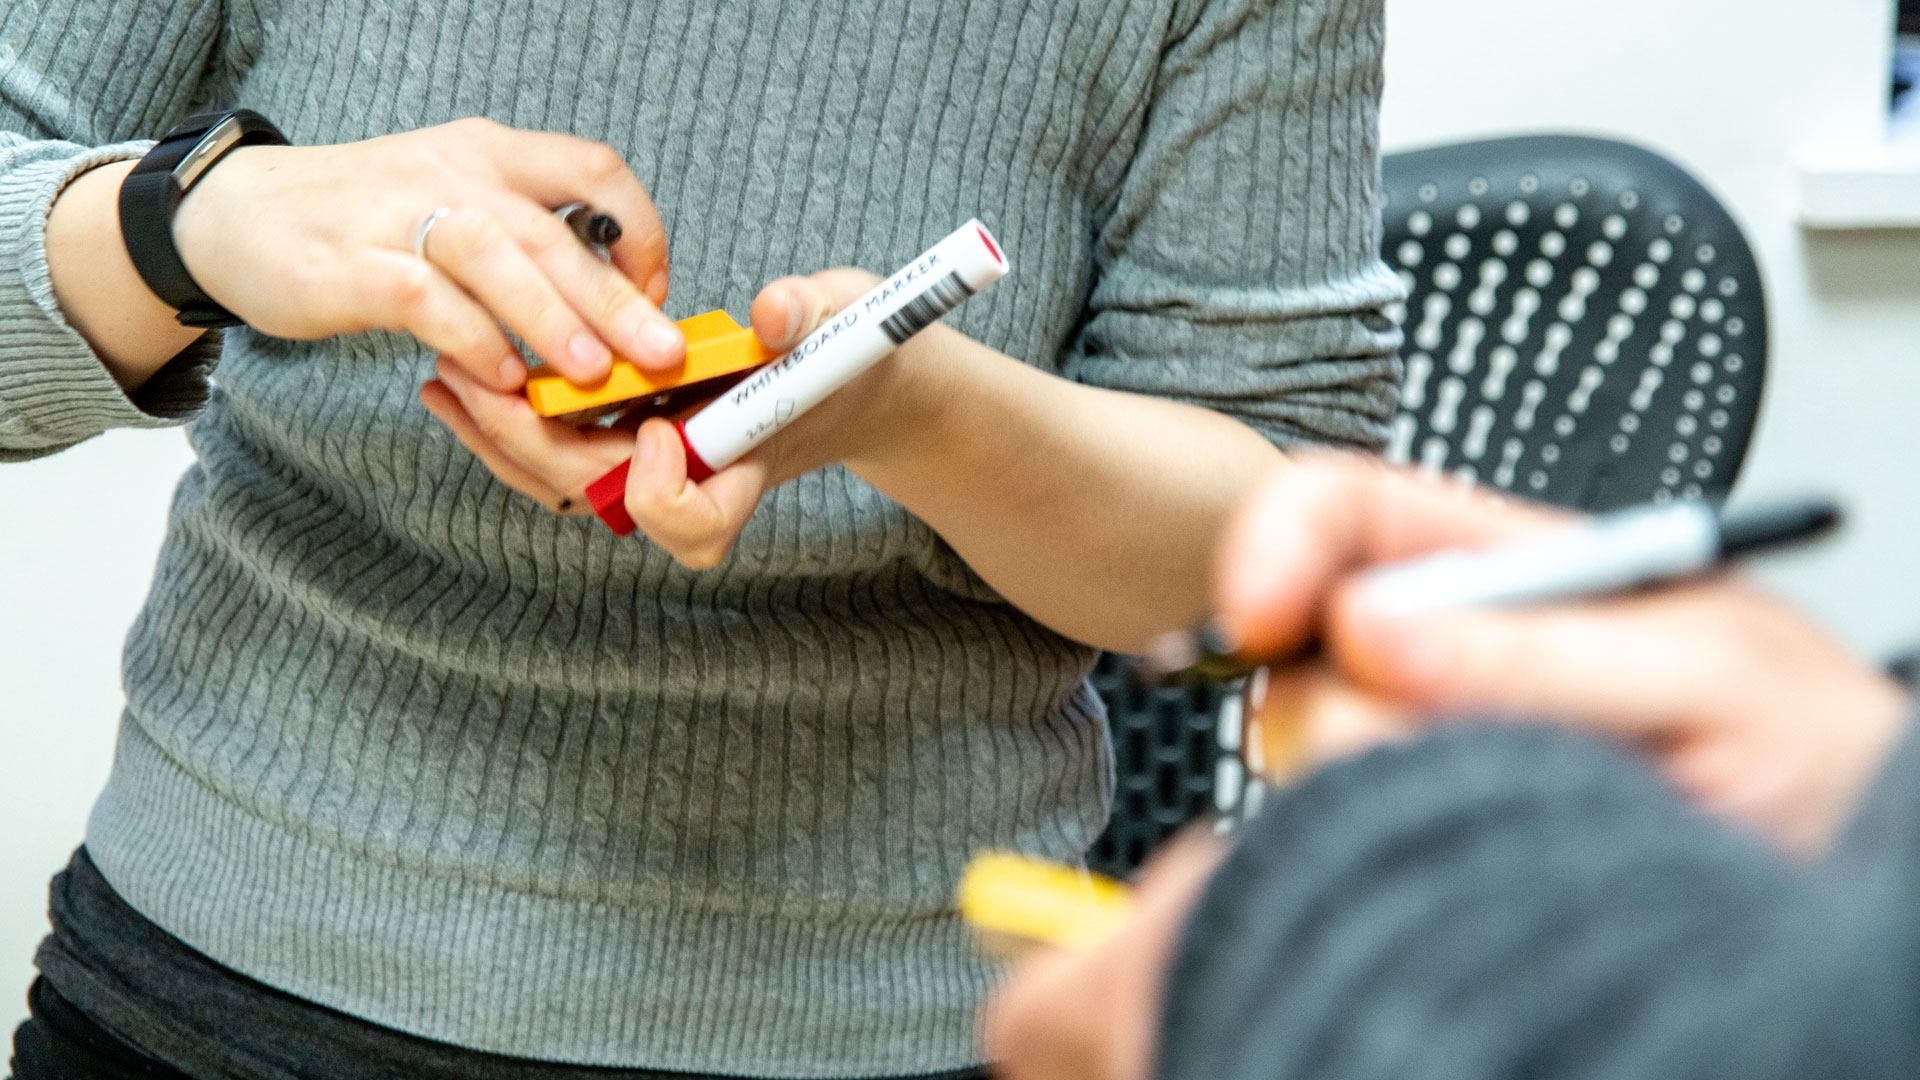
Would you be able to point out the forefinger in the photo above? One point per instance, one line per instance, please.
(564, 458)
(446, 407)
(555, 170)
(1322, 516)
(1629, 665)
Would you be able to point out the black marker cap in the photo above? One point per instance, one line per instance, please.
(602, 229)
(1748, 531)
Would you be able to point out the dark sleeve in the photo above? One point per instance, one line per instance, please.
(84, 83)
(1493, 903)
(1238, 261)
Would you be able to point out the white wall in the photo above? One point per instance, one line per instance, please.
(1730, 87)
(78, 536)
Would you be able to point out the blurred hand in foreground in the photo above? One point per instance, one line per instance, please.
(1091, 1015)
(1751, 710)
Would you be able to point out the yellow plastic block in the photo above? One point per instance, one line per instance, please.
(1013, 897)
(716, 346)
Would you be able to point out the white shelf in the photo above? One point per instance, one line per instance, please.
(1871, 186)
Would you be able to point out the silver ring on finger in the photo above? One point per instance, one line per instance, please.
(426, 226)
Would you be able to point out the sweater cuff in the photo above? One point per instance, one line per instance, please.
(1450, 907)
(54, 390)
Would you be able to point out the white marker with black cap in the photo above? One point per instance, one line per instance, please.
(1629, 549)
(1612, 553)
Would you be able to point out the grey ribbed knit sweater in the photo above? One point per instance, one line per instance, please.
(401, 742)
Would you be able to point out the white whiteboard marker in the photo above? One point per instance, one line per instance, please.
(851, 342)
(1637, 548)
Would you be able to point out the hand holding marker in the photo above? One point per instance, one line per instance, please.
(1629, 549)
(849, 343)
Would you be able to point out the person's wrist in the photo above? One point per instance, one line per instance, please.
(82, 220)
(95, 286)
(905, 407)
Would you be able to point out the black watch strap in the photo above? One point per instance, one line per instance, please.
(152, 192)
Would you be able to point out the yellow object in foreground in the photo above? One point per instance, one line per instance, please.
(1012, 896)
(716, 347)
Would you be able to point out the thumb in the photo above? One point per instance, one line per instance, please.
(695, 523)
(659, 472)
(789, 309)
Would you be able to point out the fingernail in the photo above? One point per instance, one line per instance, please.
(648, 449)
(657, 287)
(511, 370)
(587, 350)
(794, 316)
(664, 345)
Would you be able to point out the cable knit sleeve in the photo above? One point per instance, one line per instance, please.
(80, 81)
(1238, 265)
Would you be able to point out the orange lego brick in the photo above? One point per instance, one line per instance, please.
(716, 347)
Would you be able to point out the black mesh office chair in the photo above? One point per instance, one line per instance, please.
(1585, 326)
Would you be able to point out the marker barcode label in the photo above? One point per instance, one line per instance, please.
(941, 297)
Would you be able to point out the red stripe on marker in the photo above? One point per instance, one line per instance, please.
(697, 468)
(991, 246)
(609, 498)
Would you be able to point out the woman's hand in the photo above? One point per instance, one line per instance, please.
(697, 524)
(307, 242)
(1750, 709)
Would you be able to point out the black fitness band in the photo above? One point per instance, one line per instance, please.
(152, 192)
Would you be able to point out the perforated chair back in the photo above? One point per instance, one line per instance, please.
(1586, 326)
(1170, 765)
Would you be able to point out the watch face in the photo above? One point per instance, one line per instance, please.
(219, 139)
